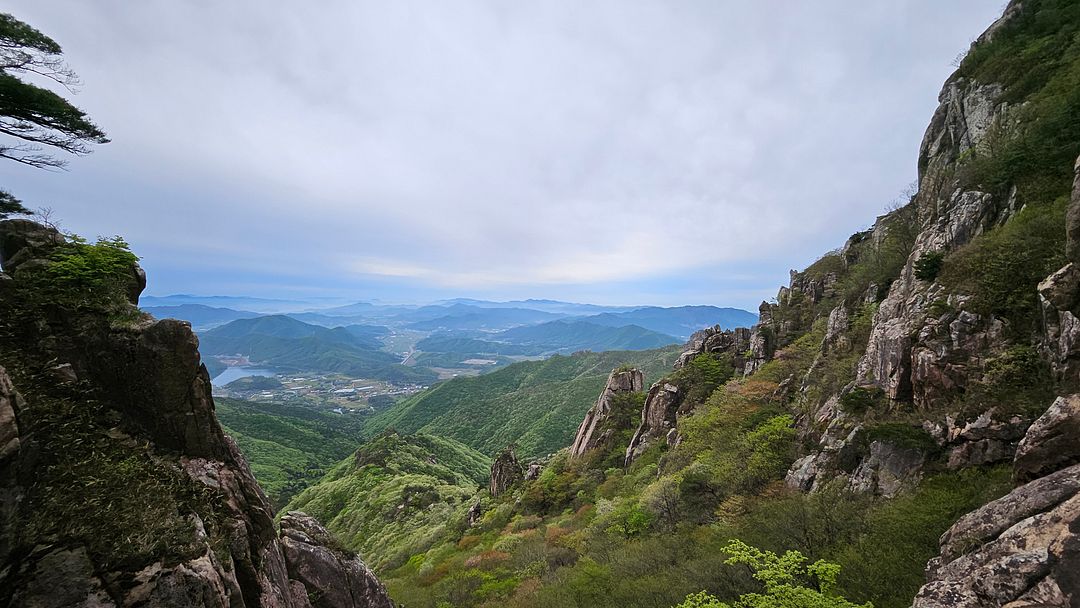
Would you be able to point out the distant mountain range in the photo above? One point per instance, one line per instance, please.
(552, 306)
(261, 305)
(567, 336)
(370, 340)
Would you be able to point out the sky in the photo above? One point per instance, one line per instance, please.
(613, 151)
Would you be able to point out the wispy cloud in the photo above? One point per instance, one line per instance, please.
(509, 147)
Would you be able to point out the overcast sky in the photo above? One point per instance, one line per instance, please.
(618, 152)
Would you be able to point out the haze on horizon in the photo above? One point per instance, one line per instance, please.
(642, 153)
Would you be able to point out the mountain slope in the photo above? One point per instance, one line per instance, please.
(569, 336)
(536, 405)
(395, 494)
(288, 447)
(894, 385)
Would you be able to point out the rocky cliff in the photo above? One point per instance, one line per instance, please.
(595, 430)
(117, 485)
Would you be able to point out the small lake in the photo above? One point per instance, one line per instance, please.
(235, 373)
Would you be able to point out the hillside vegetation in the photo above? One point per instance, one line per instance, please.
(288, 447)
(536, 405)
(396, 495)
(881, 397)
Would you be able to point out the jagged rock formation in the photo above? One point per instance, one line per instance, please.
(658, 417)
(716, 340)
(533, 471)
(1024, 548)
(505, 472)
(174, 516)
(589, 435)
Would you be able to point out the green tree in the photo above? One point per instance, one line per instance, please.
(789, 582)
(9, 205)
(34, 117)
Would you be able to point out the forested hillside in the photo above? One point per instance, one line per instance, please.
(396, 494)
(535, 405)
(289, 447)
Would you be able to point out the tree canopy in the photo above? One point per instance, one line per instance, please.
(789, 582)
(35, 117)
(9, 205)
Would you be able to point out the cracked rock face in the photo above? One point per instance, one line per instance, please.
(1022, 549)
(618, 382)
(657, 417)
(331, 578)
(505, 472)
(1052, 442)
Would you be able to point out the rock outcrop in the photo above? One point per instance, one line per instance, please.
(1059, 295)
(1024, 548)
(505, 472)
(133, 397)
(657, 417)
(716, 340)
(887, 470)
(328, 576)
(589, 434)
(1052, 442)
(904, 357)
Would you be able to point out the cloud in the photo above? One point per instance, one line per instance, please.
(490, 145)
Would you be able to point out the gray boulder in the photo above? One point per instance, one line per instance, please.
(1052, 442)
(887, 470)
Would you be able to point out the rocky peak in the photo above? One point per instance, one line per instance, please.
(589, 435)
(949, 216)
(505, 472)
